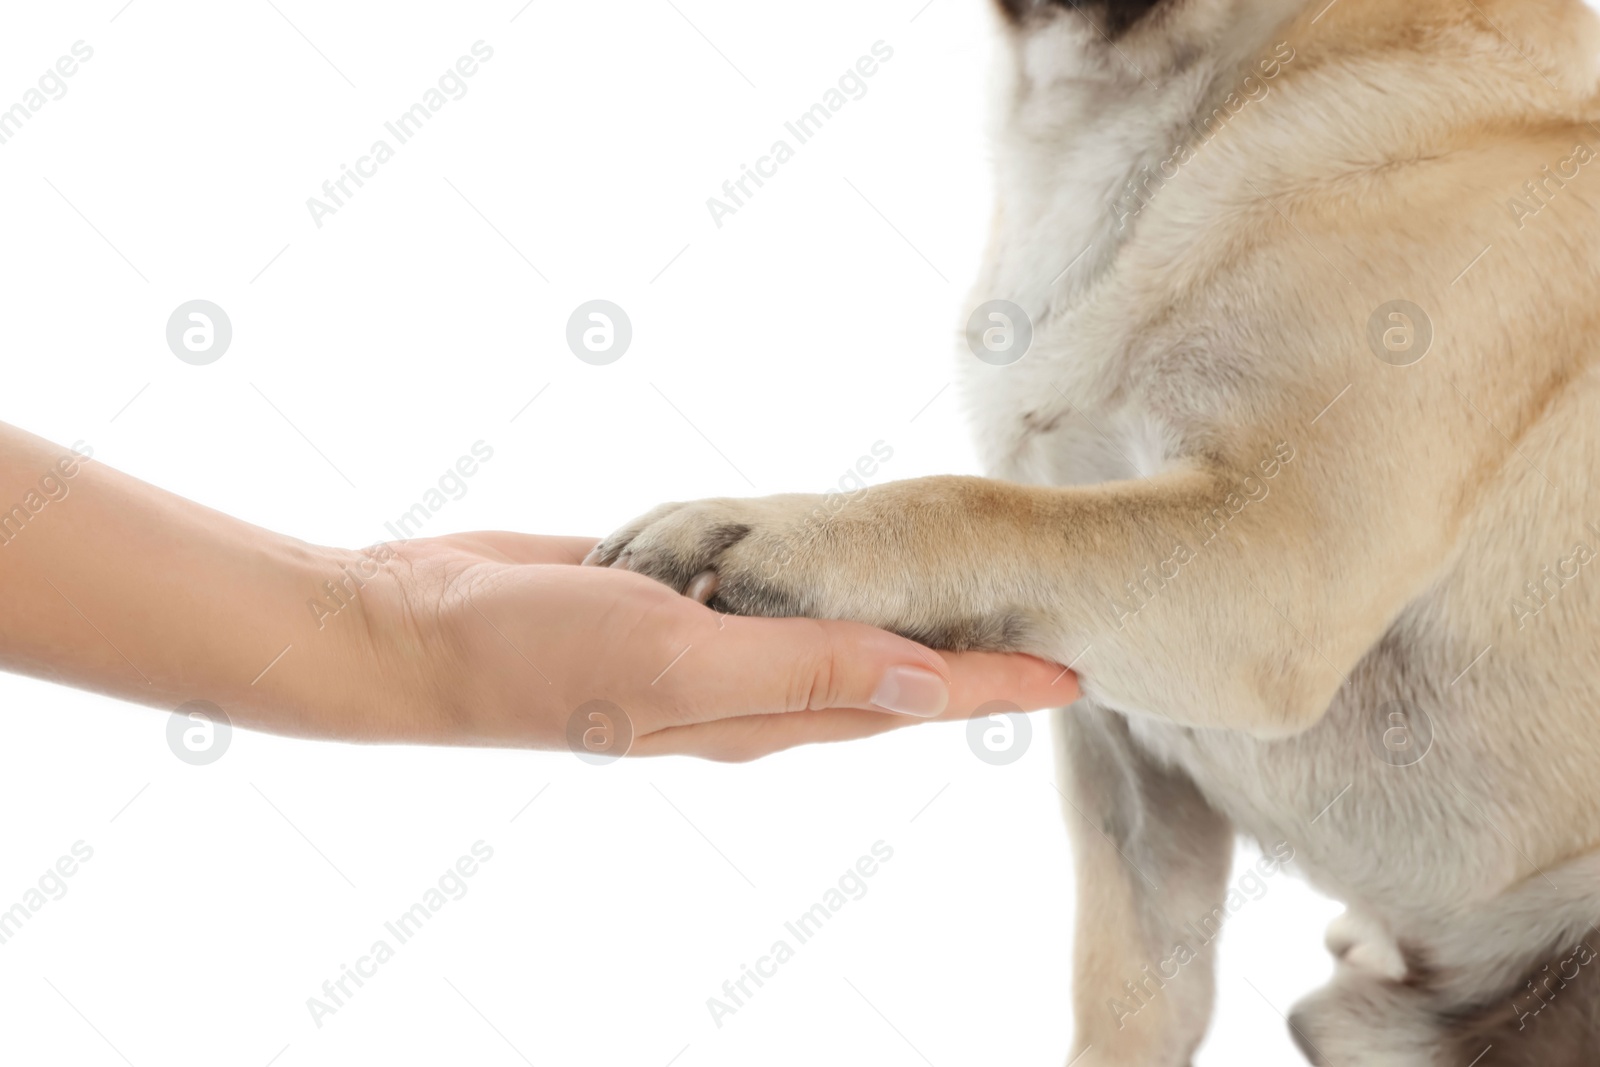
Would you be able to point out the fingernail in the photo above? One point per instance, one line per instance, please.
(912, 691)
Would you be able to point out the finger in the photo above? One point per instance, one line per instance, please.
(526, 548)
(749, 737)
(977, 678)
(772, 666)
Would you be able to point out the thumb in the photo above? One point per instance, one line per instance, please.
(773, 666)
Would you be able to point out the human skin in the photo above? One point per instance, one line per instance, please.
(493, 639)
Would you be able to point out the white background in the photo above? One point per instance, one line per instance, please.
(367, 356)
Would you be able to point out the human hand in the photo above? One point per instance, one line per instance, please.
(487, 639)
(504, 639)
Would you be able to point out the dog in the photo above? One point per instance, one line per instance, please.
(1282, 363)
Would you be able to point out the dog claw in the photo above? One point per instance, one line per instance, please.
(703, 587)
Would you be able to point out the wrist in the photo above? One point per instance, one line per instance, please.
(391, 668)
(454, 631)
(369, 666)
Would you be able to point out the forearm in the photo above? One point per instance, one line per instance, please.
(117, 586)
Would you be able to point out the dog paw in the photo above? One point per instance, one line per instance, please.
(742, 557)
(1360, 942)
(1359, 1018)
(906, 557)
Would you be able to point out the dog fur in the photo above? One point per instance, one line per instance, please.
(1264, 548)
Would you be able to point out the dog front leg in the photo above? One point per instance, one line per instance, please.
(1218, 594)
(1151, 861)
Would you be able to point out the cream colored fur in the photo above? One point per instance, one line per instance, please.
(1206, 358)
